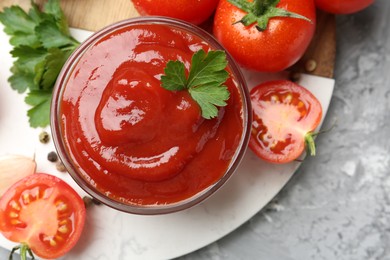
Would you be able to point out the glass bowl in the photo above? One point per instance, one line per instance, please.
(68, 130)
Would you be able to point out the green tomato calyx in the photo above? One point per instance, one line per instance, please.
(260, 11)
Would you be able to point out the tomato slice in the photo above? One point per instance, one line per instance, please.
(43, 212)
(284, 114)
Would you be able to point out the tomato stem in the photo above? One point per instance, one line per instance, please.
(309, 139)
(260, 11)
(310, 144)
(24, 249)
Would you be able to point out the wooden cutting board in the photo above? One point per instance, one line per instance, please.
(96, 14)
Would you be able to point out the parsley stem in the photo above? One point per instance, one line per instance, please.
(71, 48)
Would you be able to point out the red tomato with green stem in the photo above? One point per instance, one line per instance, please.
(44, 214)
(265, 35)
(285, 116)
(193, 11)
(343, 6)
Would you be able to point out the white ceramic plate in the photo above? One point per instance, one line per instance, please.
(111, 234)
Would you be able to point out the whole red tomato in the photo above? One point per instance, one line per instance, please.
(281, 42)
(193, 11)
(343, 6)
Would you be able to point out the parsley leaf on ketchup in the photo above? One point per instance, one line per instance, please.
(41, 44)
(205, 80)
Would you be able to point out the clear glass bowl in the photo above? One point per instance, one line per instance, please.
(74, 171)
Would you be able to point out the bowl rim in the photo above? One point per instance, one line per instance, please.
(161, 208)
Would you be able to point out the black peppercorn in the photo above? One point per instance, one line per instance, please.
(52, 157)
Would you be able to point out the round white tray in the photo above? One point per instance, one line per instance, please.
(111, 234)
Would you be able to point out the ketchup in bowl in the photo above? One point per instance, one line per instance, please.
(132, 144)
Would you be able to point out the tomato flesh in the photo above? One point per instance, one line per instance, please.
(43, 212)
(283, 113)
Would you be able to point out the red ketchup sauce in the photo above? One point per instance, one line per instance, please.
(134, 141)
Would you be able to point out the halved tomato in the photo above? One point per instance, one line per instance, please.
(44, 213)
(285, 115)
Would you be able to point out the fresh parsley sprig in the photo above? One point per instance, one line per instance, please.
(204, 82)
(41, 44)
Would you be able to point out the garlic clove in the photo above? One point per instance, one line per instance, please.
(14, 168)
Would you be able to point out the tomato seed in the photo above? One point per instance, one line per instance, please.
(13, 214)
(61, 206)
(59, 202)
(16, 222)
(63, 229)
(288, 99)
(274, 98)
(26, 198)
(15, 205)
(59, 238)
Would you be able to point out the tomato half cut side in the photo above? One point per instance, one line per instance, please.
(284, 114)
(43, 212)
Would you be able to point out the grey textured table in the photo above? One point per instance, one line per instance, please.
(338, 204)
